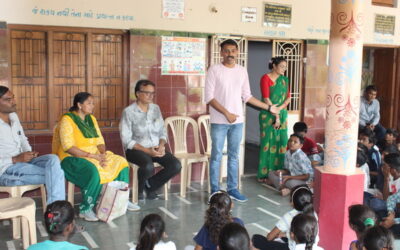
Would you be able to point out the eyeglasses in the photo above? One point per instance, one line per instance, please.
(148, 93)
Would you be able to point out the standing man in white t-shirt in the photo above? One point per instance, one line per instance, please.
(227, 87)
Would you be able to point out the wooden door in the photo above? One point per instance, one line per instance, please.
(29, 77)
(384, 71)
(51, 64)
(396, 116)
(69, 69)
(107, 77)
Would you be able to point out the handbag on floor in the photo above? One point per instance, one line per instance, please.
(113, 201)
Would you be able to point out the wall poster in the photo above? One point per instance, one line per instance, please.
(183, 56)
(174, 9)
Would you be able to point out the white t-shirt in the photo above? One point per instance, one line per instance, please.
(303, 246)
(284, 226)
(394, 185)
(161, 245)
(367, 180)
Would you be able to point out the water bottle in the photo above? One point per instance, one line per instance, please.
(280, 178)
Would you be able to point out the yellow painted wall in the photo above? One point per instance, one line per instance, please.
(310, 18)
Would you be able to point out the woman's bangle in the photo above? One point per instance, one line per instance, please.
(269, 108)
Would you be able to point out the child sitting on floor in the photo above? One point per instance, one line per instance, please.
(361, 217)
(374, 156)
(152, 231)
(297, 167)
(60, 224)
(392, 192)
(309, 146)
(304, 231)
(378, 238)
(234, 236)
(302, 202)
(390, 139)
(388, 149)
(218, 215)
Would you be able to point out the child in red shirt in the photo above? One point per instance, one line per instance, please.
(309, 147)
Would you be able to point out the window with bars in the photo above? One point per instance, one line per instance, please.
(292, 51)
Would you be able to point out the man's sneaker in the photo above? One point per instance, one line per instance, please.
(141, 196)
(151, 195)
(133, 207)
(88, 216)
(236, 195)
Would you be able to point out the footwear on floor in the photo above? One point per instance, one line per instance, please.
(79, 228)
(88, 216)
(141, 196)
(133, 207)
(151, 195)
(236, 195)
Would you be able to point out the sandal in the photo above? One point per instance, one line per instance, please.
(79, 228)
(261, 180)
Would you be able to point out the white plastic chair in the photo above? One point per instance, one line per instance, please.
(71, 192)
(23, 209)
(204, 122)
(179, 129)
(17, 192)
(205, 141)
(135, 182)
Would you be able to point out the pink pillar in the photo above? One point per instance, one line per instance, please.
(338, 184)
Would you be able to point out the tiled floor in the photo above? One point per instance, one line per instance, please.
(183, 218)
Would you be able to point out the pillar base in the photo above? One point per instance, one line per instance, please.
(333, 195)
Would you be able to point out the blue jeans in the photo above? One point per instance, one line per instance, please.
(218, 134)
(45, 169)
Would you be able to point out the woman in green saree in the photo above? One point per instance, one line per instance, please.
(273, 128)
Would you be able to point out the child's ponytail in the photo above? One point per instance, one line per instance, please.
(302, 199)
(361, 218)
(310, 240)
(151, 231)
(218, 214)
(305, 229)
(58, 216)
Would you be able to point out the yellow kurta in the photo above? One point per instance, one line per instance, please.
(68, 134)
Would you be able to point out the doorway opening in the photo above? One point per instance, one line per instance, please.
(259, 54)
(381, 68)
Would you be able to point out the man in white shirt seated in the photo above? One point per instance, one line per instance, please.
(370, 112)
(19, 165)
(144, 136)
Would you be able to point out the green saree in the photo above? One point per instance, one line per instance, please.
(273, 142)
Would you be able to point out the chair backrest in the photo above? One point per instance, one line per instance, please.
(179, 129)
(204, 122)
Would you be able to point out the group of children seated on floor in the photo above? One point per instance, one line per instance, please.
(296, 230)
(375, 222)
(379, 160)
(370, 235)
(381, 167)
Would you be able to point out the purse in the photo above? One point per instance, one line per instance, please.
(113, 201)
